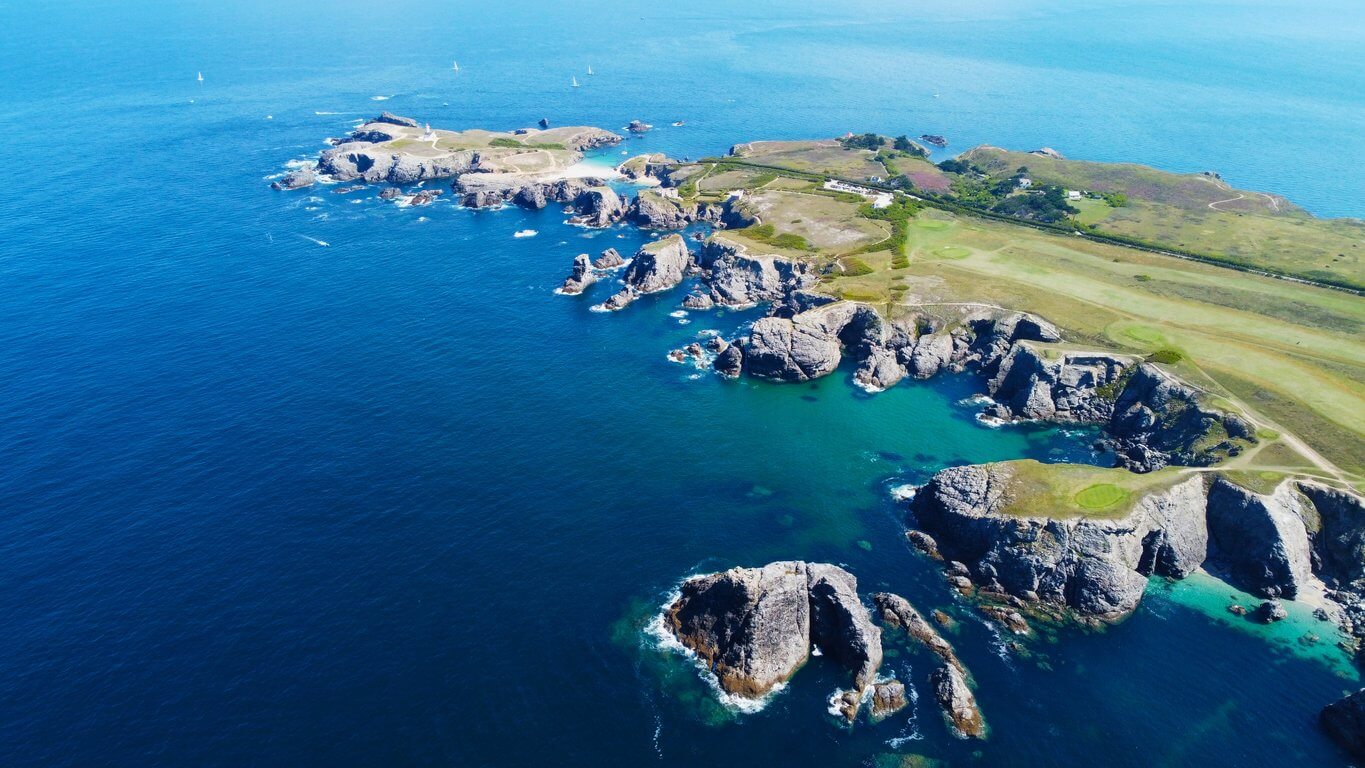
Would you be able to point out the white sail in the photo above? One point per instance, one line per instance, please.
(590, 69)
(201, 77)
(575, 82)
(455, 65)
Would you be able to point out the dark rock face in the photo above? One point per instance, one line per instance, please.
(544, 123)
(610, 259)
(657, 266)
(425, 197)
(360, 159)
(730, 362)
(754, 627)
(597, 206)
(1178, 539)
(638, 126)
(1068, 388)
(750, 625)
(580, 278)
(1093, 567)
(486, 190)
(1344, 721)
(839, 624)
(296, 179)
(390, 193)
(807, 345)
(1159, 420)
(392, 119)
(1270, 611)
(738, 279)
(1340, 539)
(1260, 541)
(934, 139)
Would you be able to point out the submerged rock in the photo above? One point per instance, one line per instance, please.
(1270, 612)
(1344, 721)
(888, 698)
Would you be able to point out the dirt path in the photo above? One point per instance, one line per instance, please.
(1214, 205)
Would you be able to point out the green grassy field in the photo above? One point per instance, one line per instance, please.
(1290, 354)
(823, 156)
(1199, 213)
(1033, 489)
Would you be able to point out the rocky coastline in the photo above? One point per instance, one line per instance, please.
(754, 628)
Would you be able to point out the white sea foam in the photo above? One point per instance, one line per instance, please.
(911, 731)
(683, 321)
(316, 112)
(867, 386)
(525, 233)
(989, 422)
(664, 640)
(904, 492)
(977, 399)
(678, 313)
(380, 98)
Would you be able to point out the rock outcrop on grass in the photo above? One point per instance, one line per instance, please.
(754, 627)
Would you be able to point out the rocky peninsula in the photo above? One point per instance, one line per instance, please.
(1022, 540)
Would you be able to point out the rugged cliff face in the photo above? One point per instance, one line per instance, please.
(1260, 541)
(981, 519)
(657, 266)
(754, 627)
(1091, 566)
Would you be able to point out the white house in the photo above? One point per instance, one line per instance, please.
(1025, 183)
(1073, 194)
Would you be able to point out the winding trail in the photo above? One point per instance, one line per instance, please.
(1214, 205)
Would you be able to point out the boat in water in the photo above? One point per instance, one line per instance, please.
(575, 82)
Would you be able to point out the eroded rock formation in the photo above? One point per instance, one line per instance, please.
(754, 627)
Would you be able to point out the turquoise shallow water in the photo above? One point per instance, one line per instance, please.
(393, 502)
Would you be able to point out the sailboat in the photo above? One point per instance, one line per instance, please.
(590, 69)
(455, 66)
(575, 82)
(201, 77)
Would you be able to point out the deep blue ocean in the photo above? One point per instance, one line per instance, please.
(392, 502)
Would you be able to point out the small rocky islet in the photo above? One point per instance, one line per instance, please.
(753, 628)
(1010, 535)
